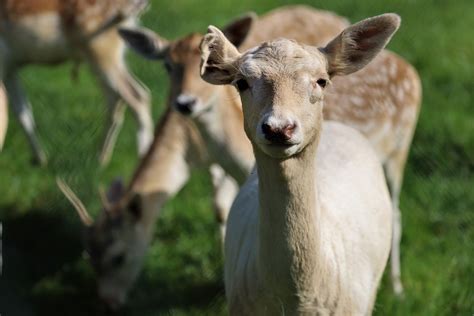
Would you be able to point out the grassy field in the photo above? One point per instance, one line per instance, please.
(45, 273)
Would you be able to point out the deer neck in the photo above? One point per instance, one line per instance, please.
(288, 224)
(151, 204)
(164, 169)
(221, 127)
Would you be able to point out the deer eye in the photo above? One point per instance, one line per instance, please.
(242, 85)
(322, 82)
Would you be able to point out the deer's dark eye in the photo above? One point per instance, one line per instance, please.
(242, 85)
(322, 82)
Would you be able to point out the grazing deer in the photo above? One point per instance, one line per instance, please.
(117, 241)
(3, 116)
(382, 100)
(310, 231)
(48, 32)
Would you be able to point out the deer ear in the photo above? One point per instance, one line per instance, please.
(145, 42)
(218, 55)
(238, 30)
(358, 44)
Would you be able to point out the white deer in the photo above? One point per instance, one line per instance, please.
(382, 100)
(48, 32)
(310, 231)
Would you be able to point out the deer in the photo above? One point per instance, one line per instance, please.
(117, 241)
(172, 157)
(49, 32)
(3, 116)
(382, 100)
(310, 231)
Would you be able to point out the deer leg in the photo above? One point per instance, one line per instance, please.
(138, 98)
(394, 174)
(120, 86)
(105, 55)
(22, 110)
(115, 116)
(225, 191)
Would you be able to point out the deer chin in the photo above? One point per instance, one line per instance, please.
(279, 150)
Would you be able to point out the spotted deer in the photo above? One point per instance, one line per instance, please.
(180, 144)
(48, 32)
(310, 231)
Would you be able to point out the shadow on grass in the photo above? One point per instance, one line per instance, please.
(164, 297)
(38, 248)
(45, 274)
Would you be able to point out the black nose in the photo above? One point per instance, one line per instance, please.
(278, 134)
(185, 105)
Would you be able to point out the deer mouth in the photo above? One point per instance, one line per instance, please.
(279, 149)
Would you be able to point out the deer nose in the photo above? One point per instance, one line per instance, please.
(278, 134)
(185, 103)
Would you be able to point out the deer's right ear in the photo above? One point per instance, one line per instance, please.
(218, 56)
(358, 44)
(238, 30)
(145, 42)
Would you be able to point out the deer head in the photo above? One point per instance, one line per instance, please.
(189, 94)
(115, 242)
(282, 83)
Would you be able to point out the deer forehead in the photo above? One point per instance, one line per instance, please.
(186, 50)
(282, 58)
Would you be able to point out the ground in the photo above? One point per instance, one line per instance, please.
(45, 272)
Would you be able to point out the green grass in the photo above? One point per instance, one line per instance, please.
(45, 273)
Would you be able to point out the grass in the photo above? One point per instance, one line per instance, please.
(45, 273)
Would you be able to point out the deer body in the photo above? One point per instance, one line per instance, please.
(49, 32)
(310, 231)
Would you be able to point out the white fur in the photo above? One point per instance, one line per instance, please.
(354, 228)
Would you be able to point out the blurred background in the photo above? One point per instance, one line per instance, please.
(45, 272)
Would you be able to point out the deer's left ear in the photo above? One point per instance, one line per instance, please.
(358, 44)
(145, 42)
(218, 55)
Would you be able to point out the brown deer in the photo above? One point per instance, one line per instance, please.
(49, 32)
(118, 240)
